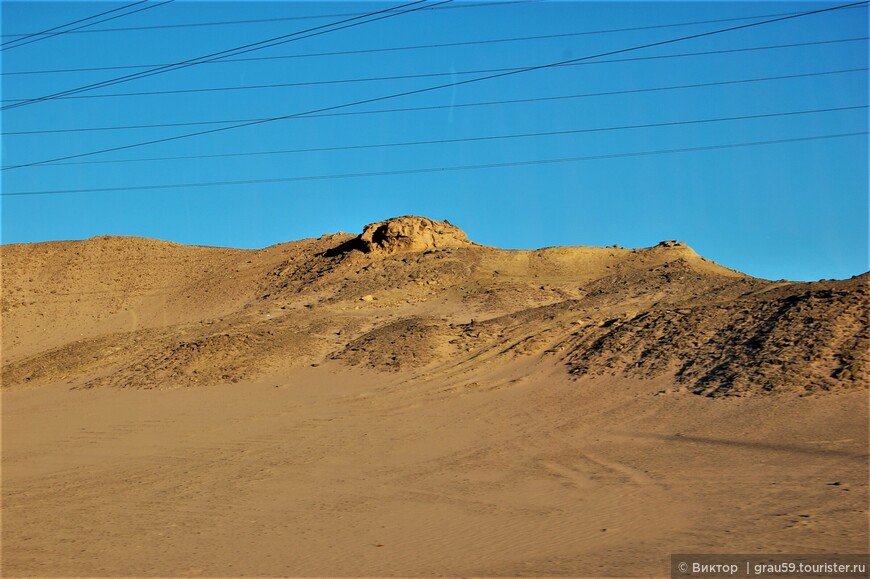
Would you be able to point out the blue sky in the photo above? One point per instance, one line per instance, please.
(796, 209)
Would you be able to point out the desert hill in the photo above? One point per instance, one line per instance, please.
(408, 403)
(414, 293)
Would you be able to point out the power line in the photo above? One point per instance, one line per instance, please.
(263, 20)
(486, 138)
(435, 74)
(586, 95)
(238, 50)
(24, 37)
(421, 46)
(434, 107)
(40, 38)
(415, 171)
(268, 43)
(431, 88)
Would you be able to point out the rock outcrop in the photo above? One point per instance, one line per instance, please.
(410, 233)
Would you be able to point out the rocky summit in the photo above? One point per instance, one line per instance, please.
(411, 233)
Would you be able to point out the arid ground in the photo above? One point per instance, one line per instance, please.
(405, 402)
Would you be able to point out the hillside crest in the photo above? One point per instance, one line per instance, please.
(414, 294)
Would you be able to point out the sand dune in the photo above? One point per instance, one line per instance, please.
(409, 403)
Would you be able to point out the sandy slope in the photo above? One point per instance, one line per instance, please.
(410, 403)
(333, 472)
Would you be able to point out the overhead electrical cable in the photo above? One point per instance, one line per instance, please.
(58, 29)
(438, 74)
(46, 37)
(412, 47)
(275, 41)
(441, 107)
(262, 20)
(450, 106)
(480, 138)
(482, 166)
(429, 89)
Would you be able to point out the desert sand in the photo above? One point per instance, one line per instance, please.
(406, 402)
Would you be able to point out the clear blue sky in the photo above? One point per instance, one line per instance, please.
(795, 210)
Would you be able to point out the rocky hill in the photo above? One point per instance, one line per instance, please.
(415, 295)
